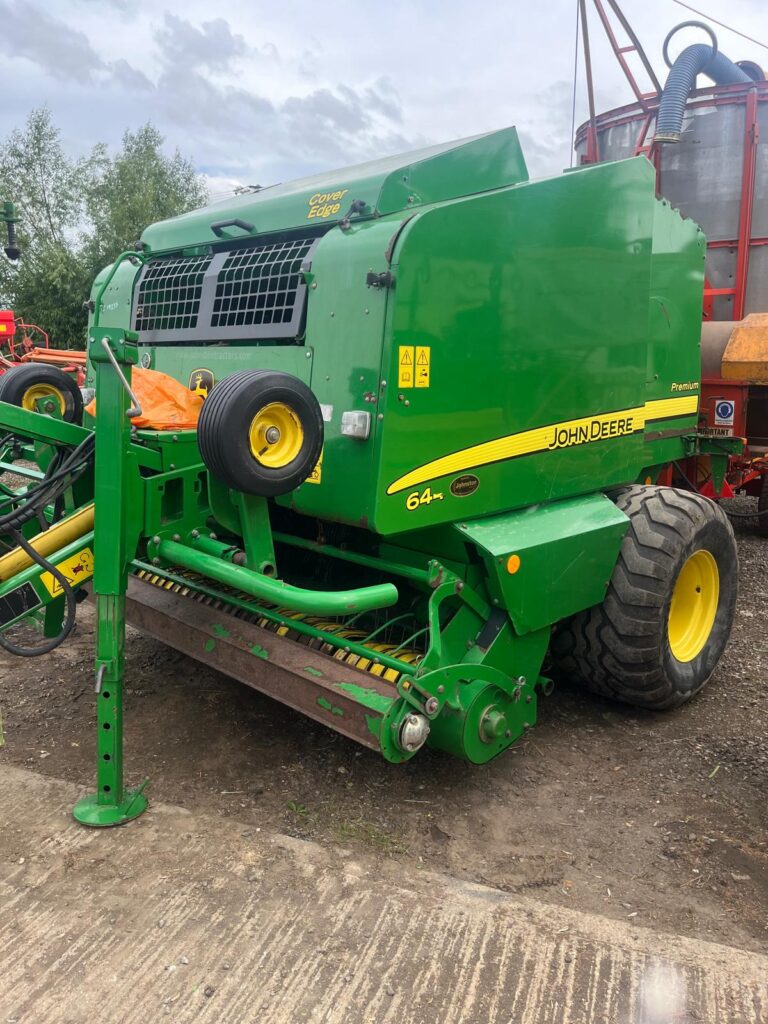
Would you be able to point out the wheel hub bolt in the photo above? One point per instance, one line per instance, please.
(273, 435)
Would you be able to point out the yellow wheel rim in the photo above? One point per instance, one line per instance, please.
(694, 606)
(33, 394)
(275, 435)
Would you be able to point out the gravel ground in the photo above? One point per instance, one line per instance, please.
(655, 819)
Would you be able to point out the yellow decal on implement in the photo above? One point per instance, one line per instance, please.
(316, 476)
(201, 381)
(422, 366)
(405, 366)
(566, 434)
(76, 570)
(325, 204)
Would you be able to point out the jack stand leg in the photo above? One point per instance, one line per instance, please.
(112, 353)
(111, 804)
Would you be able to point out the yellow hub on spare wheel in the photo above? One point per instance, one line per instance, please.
(34, 393)
(275, 435)
(694, 606)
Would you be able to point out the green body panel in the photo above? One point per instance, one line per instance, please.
(395, 183)
(566, 550)
(534, 303)
(674, 326)
(182, 362)
(345, 321)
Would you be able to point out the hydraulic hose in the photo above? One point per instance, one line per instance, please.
(62, 472)
(700, 58)
(70, 603)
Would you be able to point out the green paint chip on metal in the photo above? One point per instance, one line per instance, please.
(325, 703)
(210, 645)
(260, 652)
(220, 632)
(367, 697)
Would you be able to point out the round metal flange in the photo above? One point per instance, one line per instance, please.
(688, 24)
(413, 732)
(493, 724)
(90, 812)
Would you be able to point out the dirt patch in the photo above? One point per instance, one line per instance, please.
(658, 819)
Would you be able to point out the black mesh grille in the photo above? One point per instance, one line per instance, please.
(169, 294)
(259, 285)
(248, 293)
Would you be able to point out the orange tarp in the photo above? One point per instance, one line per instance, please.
(165, 404)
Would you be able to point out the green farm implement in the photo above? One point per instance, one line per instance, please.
(434, 399)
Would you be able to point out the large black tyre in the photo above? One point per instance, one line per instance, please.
(261, 432)
(25, 385)
(762, 508)
(637, 646)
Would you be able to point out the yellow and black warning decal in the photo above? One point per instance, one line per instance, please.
(413, 366)
(75, 570)
(405, 356)
(316, 476)
(422, 360)
(553, 436)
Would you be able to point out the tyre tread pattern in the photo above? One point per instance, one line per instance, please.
(615, 648)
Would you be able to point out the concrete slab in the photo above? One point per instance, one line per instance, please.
(188, 918)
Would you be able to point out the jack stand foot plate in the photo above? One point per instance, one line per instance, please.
(89, 811)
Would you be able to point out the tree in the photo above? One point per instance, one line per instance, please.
(139, 186)
(48, 188)
(76, 215)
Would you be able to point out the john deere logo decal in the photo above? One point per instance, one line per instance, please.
(201, 382)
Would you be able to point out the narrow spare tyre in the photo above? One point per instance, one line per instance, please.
(35, 386)
(261, 432)
(665, 620)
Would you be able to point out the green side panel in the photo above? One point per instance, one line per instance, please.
(567, 551)
(383, 186)
(479, 165)
(674, 328)
(677, 285)
(533, 302)
(345, 324)
(183, 361)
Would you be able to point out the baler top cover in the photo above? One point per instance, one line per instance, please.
(378, 188)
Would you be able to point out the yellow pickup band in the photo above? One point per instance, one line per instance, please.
(566, 434)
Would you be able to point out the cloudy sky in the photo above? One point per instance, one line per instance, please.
(264, 92)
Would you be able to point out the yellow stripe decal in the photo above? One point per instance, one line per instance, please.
(548, 438)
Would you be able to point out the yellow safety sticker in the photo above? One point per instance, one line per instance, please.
(405, 367)
(422, 366)
(316, 476)
(76, 570)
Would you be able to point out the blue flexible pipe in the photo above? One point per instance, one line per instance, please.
(700, 58)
